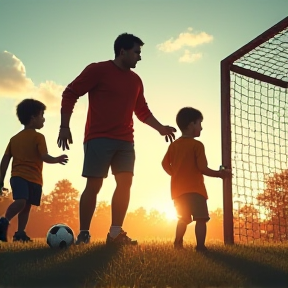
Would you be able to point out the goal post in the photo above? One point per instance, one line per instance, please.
(254, 82)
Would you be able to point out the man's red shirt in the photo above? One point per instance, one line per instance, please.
(114, 95)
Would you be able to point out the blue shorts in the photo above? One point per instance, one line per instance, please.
(191, 204)
(102, 153)
(23, 189)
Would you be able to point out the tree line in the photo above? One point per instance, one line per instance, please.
(62, 205)
(265, 217)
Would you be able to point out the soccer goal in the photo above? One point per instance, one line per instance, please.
(254, 124)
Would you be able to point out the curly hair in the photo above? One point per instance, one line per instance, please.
(29, 108)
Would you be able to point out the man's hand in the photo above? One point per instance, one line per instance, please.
(64, 138)
(168, 131)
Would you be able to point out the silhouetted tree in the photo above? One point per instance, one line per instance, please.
(275, 201)
(215, 225)
(63, 202)
(60, 206)
(248, 224)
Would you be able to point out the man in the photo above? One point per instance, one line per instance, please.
(114, 93)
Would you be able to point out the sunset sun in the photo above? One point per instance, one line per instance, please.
(169, 211)
(171, 214)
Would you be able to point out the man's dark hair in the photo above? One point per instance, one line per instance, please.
(187, 115)
(126, 41)
(28, 108)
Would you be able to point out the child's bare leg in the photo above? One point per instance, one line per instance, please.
(180, 232)
(16, 207)
(200, 232)
(23, 217)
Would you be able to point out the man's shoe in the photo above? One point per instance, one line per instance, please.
(120, 239)
(21, 236)
(201, 248)
(4, 223)
(83, 237)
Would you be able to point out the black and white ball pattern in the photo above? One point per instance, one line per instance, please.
(60, 236)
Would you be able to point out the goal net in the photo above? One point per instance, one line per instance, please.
(255, 108)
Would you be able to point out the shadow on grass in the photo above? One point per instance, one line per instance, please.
(79, 271)
(257, 274)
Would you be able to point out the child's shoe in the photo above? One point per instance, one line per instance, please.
(4, 223)
(120, 239)
(21, 236)
(83, 237)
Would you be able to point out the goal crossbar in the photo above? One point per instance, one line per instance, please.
(259, 76)
(265, 36)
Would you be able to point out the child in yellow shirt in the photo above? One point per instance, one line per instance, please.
(28, 150)
(186, 163)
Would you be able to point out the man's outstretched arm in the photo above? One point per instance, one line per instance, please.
(82, 84)
(166, 131)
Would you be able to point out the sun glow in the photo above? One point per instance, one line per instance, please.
(168, 210)
(171, 215)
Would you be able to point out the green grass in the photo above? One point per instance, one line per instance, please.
(150, 264)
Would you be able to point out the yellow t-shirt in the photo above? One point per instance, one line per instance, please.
(26, 148)
(183, 158)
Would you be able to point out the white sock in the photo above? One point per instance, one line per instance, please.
(114, 231)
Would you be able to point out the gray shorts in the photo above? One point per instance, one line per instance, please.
(23, 189)
(191, 204)
(102, 153)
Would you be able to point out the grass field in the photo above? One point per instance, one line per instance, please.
(150, 264)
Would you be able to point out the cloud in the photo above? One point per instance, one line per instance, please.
(13, 80)
(185, 39)
(190, 57)
(15, 84)
(49, 92)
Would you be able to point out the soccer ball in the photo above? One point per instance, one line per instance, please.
(60, 236)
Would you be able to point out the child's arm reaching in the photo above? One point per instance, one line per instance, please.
(223, 173)
(3, 169)
(63, 159)
(203, 165)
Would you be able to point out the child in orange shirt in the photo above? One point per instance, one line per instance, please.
(186, 163)
(28, 150)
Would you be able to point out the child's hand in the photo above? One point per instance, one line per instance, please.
(2, 189)
(63, 159)
(225, 173)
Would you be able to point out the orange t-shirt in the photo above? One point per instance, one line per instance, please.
(26, 148)
(182, 160)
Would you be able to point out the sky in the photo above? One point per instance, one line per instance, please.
(44, 45)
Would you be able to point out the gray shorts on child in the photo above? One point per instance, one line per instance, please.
(191, 204)
(24, 189)
(102, 153)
